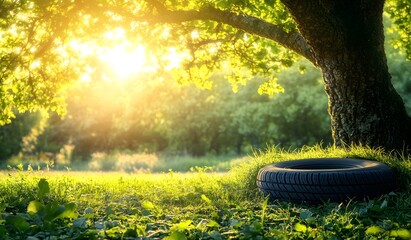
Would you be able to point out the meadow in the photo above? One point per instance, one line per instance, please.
(198, 204)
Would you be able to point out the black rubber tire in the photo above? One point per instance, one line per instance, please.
(323, 179)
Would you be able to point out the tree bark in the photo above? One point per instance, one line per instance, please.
(363, 105)
(347, 39)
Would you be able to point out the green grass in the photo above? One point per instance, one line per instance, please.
(195, 205)
(129, 162)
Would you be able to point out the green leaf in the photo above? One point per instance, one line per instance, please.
(349, 226)
(35, 207)
(32, 238)
(384, 204)
(88, 213)
(3, 230)
(181, 226)
(300, 227)
(374, 230)
(53, 211)
(212, 223)
(148, 205)
(235, 223)
(141, 230)
(20, 167)
(257, 227)
(401, 233)
(269, 2)
(79, 223)
(305, 214)
(216, 235)
(2, 206)
(206, 199)
(130, 233)
(43, 188)
(376, 208)
(264, 209)
(176, 236)
(69, 212)
(18, 222)
(109, 210)
(270, 88)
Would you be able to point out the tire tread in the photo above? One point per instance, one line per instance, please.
(314, 186)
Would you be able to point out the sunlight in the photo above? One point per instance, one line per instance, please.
(86, 76)
(174, 58)
(82, 49)
(125, 61)
(124, 58)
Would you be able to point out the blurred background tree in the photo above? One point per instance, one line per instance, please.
(148, 113)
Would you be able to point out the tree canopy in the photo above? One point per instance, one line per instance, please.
(39, 56)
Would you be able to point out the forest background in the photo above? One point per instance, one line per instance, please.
(144, 117)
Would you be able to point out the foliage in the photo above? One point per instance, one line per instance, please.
(104, 116)
(12, 135)
(399, 13)
(199, 122)
(400, 70)
(193, 121)
(46, 205)
(34, 61)
(132, 115)
(39, 56)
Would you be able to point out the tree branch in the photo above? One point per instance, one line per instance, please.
(291, 40)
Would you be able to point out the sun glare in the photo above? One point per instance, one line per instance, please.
(174, 58)
(124, 59)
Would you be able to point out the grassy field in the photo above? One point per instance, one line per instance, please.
(128, 162)
(194, 205)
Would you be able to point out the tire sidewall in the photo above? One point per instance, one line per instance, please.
(341, 165)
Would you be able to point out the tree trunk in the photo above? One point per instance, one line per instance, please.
(363, 105)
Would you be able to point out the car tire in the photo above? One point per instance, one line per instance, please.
(326, 179)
